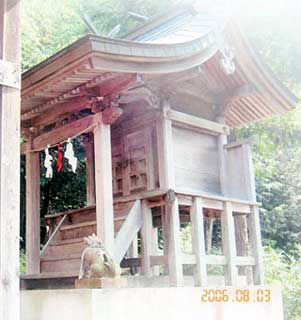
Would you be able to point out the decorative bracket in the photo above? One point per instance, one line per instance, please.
(10, 74)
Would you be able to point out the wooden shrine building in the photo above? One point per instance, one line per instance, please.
(155, 109)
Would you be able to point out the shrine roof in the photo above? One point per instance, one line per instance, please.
(185, 41)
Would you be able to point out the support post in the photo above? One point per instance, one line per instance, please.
(165, 151)
(167, 181)
(198, 242)
(146, 239)
(229, 247)
(175, 266)
(90, 169)
(10, 50)
(155, 250)
(33, 213)
(103, 185)
(256, 247)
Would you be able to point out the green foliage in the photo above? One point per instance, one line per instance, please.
(284, 270)
(22, 262)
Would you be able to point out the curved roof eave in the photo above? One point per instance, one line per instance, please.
(127, 56)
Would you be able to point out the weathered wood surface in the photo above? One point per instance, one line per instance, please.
(33, 213)
(256, 245)
(175, 267)
(196, 161)
(146, 233)
(165, 151)
(198, 242)
(103, 185)
(229, 247)
(10, 46)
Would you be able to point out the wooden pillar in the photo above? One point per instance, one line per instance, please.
(167, 181)
(198, 242)
(175, 266)
(90, 171)
(256, 247)
(9, 164)
(165, 151)
(229, 247)
(146, 233)
(33, 213)
(103, 185)
(155, 250)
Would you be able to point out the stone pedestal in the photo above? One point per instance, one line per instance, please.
(98, 283)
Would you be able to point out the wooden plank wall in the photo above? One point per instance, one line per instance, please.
(9, 165)
(196, 161)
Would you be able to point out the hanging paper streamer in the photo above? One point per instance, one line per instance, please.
(48, 163)
(69, 154)
(59, 164)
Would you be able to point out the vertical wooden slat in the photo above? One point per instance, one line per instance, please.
(90, 175)
(33, 213)
(198, 242)
(175, 266)
(256, 246)
(229, 247)
(103, 185)
(146, 233)
(9, 166)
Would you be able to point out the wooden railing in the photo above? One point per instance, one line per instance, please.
(229, 258)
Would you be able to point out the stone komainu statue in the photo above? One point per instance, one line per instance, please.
(96, 262)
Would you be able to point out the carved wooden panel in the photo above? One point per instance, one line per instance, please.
(133, 162)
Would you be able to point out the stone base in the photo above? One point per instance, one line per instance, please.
(101, 283)
(143, 303)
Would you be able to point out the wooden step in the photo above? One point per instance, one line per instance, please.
(77, 230)
(66, 263)
(68, 246)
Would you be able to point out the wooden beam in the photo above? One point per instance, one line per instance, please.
(229, 246)
(196, 122)
(33, 213)
(198, 242)
(103, 183)
(60, 134)
(58, 110)
(10, 50)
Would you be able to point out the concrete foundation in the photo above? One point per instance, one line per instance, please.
(145, 303)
